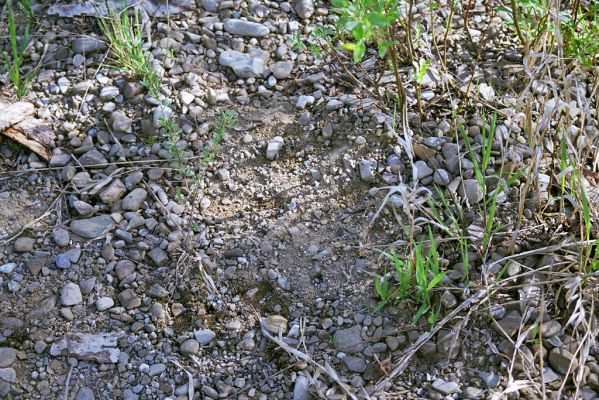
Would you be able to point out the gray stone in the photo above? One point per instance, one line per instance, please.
(124, 268)
(274, 147)
(87, 44)
(243, 65)
(304, 8)
(445, 387)
(8, 375)
(71, 294)
(560, 359)
(422, 170)
(24, 244)
(7, 268)
(303, 101)
(157, 369)
(204, 336)
(129, 299)
(134, 200)
(301, 389)
(7, 356)
(245, 28)
(109, 92)
(551, 328)
(354, 364)
(93, 158)
(282, 69)
(349, 340)
(120, 122)
(113, 192)
(471, 190)
(509, 324)
(85, 393)
(92, 227)
(210, 5)
(441, 177)
(190, 346)
(60, 160)
(471, 392)
(99, 347)
(366, 168)
(158, 256)
(161, 112)
(104, 303)
(60, 237)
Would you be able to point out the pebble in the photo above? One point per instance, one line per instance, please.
(560, 360)
(129, 299)
(445, 387)
(282, 69)
(245, 28)
(7, 356)
(204, 336)
(134, 200)
(61, 237)
(71, 294)
(243, 65)
(87, 44)
(92, 227)
(190, 346)
(104, 303)
(24, 244)
(274, 147)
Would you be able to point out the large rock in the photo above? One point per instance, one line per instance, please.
(99, 347)
(93, 227)
(245, 28)
(243, 65)
(7, 356)
(71, 294)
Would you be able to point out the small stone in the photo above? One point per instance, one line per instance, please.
(113, 192)
(134, 200)
(7, 356)
(124, 268)
(349, 340)
(24, 244)
(473, 393)
(551, 328)
(104, 303)
(204, 336)
(471, 190)
(92, 227)
(445, 387)
(120, 122)
(282, 69)
(109, 92)
(93, 158)
(304, 8)
(8, 375)
(87, 44)
(366, 168)
(275, 324)
(422, 170)
(245, 28)
(509, 324)
(560, 359)
(303, 101)
(190, 346)
(274, 147)
(158, 256)
(301, 389)
(60, 237)
(157, 369)
(85, 393)
(129, 299)
(71, 294)
(7, 268)
(354, 364)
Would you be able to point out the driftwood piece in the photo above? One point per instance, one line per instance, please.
(17, 123)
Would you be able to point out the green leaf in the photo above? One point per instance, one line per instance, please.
(378, 19)
(435, 281)
(421, 311)
(359, 51)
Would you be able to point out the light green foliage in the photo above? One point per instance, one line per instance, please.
(27, 9)
(532, 19)
(224, 122)
(14, 60)
(418, 277)
(367, 21)
(126, 41)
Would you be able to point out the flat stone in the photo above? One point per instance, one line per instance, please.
(93, 158)
(301, 389)
(275, 324)
(157, 369)
(113, 192)
(245, 28)
(134, 200)
(71, 294)
(99, 347)
(354, 364)
(24, 244)
(304, 8)
(204, 336)
(190, 346)
(85, 393)
(509, 324)
(445, 387)
(92, 227)
(243, 65)
(282, 69)
(7, 356)
(60, 237)
(129, 299)
(8, 375)
(104, 303)
(471, 190)
(560, 360)
(87, 45)
(120, 122)
(124, 268)
(349, 340)
(7, 268)
(158, 256)
(274, 147)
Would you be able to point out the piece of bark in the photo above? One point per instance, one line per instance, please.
(33, 134)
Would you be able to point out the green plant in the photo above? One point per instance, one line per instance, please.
(27, 9)
(169, 53)
(420, 70)
(224, 122)
(14, 61)
(418, 277)
(171, 133)
(126, 42)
